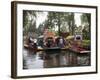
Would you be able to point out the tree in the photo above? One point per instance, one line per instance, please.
(29, 21)
(59, 19)
(71, 22)
(86, 20)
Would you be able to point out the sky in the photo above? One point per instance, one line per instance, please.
(77, 19)
(41, 19)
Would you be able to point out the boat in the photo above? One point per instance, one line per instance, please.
(31, 48)
(45, 48)
(79, 51)
(58, 49)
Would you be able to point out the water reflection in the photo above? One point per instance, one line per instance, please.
(41, 59)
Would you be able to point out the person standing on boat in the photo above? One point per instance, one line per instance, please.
(30, 42)
(35, 44)
(61, 42)
(57, 41)
(50, 42)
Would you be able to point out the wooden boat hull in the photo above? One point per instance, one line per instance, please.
(58, 49)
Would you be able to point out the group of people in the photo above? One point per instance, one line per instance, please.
(63, 42)
(58, 42)
(50, 42)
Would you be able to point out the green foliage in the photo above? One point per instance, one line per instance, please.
(62, 21)
(59, 19)
(29, 22)
(86, 42)
(86, 18)
(86, 33)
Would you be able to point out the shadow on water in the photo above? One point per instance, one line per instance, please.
(51, 59)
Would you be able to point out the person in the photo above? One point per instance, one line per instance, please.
(57, 41)
(61, 42)
(41, 43)
(30, 42)
(35, 47)
(48, 43)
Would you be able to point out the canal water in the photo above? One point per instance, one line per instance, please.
(52, 59)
